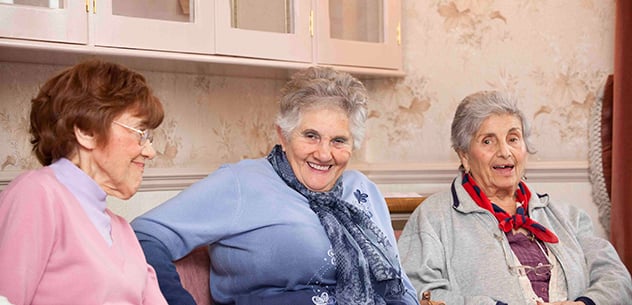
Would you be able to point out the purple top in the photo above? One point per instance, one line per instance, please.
(87, 192)
(529, 253)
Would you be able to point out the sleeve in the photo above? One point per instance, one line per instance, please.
(610, 281)
(198, 216)
(27, 237)
(169, 282)
(424, 260)
(202, 214)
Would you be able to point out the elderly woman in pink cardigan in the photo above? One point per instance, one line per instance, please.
(59, 244)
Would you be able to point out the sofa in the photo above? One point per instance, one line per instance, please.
(194, 272)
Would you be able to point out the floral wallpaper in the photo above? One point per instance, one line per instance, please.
(212, 120)
(553, 55)
(16, 89)
(209, 119)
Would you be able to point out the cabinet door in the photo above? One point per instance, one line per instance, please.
(48, 20)
(166, 25)
(363, 33)
(270, 29)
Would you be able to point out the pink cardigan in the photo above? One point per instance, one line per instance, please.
(51, 253)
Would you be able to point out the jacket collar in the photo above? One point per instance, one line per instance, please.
(462, 202)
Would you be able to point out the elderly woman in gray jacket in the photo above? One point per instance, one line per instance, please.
(491, 239)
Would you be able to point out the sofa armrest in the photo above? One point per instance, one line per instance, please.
(194, 270)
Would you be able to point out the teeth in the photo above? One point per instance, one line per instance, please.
(318, 167)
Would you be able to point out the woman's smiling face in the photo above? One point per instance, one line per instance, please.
(497, 154)
(118, 165)
(320, 147)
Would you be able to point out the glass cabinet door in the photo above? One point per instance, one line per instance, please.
(359, 32)
(47, 20)
(270, 29)
(166, 25)
(357, 20)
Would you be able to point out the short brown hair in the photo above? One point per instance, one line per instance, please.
(89, 96)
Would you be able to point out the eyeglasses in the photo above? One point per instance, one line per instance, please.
(145, 135)
(540, 269)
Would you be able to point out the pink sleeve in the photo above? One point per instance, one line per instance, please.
(27, 237)
(152, 294)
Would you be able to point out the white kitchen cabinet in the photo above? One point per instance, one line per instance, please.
(362, 33)
(45, 20)
(271, 29)
(165, 25)
(359, 36)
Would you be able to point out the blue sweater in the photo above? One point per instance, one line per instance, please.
(265, 241)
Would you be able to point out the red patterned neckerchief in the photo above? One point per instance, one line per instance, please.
(506, 222)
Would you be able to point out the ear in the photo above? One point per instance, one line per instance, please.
(84, 139)
(465, 160)
(281, 137)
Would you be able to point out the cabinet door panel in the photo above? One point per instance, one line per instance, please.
(166, 25)
(44, 20)
(271, 29)
(362, 33)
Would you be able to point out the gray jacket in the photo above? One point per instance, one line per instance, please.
(454, 248)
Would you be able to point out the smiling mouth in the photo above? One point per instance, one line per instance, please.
(503, 167)
(140, 164)
(319, 167)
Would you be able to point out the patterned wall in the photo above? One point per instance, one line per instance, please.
(209, 119)
(553, 55)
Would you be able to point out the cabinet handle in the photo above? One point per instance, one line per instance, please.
(94, 6)
(233, 18)
(399, 33)
(87, 6)
(288, 12)
(311, 23)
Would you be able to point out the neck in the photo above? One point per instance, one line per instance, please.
(507, 203)
(506, 199)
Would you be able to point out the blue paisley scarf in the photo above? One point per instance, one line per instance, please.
(368, 271)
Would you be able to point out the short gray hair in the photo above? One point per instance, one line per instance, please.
(317, 87)
(477, 107)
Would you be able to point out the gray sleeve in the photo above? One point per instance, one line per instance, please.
(609, 281)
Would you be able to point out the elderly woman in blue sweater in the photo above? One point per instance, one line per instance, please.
(294, 227)
(491, 239)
